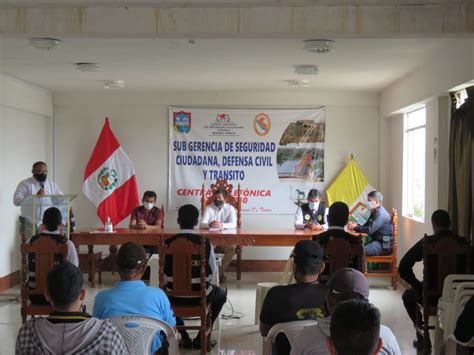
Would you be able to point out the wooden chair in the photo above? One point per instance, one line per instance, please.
(46, 251)
(231, 200)
(184, 254)
(444, 257)
(340, 253)
(391, 259)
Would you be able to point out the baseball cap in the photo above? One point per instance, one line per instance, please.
(64, 283)
(308, 252)
(347, 280)
(131, 256)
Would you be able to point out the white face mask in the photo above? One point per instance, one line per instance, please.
(148, 205)
(313, 205)
(369, 205)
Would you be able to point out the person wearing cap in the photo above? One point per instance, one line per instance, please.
(303, 300)
(345, 284)
(378, 227)
(68, 329)
(131, 296)
(313, 214)
(188, 218)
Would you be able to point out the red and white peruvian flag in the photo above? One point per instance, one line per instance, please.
(109, 179)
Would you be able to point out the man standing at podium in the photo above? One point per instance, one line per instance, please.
(39, 185)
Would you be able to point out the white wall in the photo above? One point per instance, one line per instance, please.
(25, 137)
(140, 121)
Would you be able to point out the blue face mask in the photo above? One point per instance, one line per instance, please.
(369, 205)
(313, 205)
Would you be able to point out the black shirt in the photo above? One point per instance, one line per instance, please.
(294, 302)
(465, 324)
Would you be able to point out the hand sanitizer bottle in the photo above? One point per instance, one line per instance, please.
(108, 226)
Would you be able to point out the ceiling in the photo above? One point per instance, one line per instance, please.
(214, 64)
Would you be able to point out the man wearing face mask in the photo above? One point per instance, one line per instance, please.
(378, 226)
(221, 215)
(312, 215)
(146, 215)
(38, 184)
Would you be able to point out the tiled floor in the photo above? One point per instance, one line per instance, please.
(238, 336)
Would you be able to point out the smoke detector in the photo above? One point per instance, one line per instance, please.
(297, 83)
(319, 45)
(44, 42)
(306, 69)
(88, 67)
(114, 84)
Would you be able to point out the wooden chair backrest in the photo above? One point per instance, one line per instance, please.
(207, 199)
(394, 219)
(444, 257)
(340, 254)
(45, 250)
(182, 252)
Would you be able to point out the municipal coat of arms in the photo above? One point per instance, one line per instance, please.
(107, 178)
(182, 121)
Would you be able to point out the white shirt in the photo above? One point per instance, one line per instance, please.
(71, 250)
(225, 215)
(29, 187)
(312, 340)
(299, 222)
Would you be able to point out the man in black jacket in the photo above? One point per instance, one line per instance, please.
(440, 221)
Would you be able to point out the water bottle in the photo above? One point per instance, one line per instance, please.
(108, 226)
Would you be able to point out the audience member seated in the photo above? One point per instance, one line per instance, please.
(313, 214)
(53, 229)
(440, 222)
(131, 296)
(355, 329)
(147, 215)
(344, 285)
(188, 218)
(221, 215)
(68, 329)
(338, 217)
(464, 331)
(378, 227)
(303, 300)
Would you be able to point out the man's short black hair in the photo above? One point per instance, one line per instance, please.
(188, 216)
(149, 194)
(64, 283)
(38, 163)
(338, 214)
(440, 218)
(52, 219)
(220, 191)
(376, 195)
(314, 193)
(355, 328)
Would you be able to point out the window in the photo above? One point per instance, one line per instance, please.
(461, 96)
(414, 164)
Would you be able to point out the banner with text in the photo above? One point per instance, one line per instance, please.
(275, 155)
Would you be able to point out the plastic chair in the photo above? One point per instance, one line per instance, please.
(290, 329)
(138, 333)
(452, 342)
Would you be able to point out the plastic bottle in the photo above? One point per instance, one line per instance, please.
(108, 226)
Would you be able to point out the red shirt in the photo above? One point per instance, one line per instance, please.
(150, 217)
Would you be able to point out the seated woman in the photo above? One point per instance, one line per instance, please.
(53, 229)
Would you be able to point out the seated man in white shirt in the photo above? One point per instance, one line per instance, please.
(221, 215)
(344, 285)
(313, 214)
(38, 184)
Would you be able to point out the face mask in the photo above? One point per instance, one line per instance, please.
(369, 205)
(313, 205)
(218, 203)
(148, 205)
(40, 177)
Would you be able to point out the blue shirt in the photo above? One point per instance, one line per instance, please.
(134, 298)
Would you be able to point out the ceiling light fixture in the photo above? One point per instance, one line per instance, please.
(297, 83)
(319, 45)
(114, 84)
(44, 43)
(88, 67)
(306, 69)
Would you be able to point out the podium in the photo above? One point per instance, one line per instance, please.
(34, 207)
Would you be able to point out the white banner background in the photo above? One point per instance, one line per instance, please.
(206, 144)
